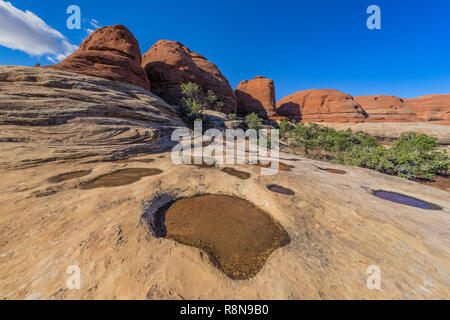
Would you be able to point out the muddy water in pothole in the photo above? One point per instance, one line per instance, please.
(237, 236)
(69, 176)
(335, 171)
(281, 166)
(236, 173)
(279, 189)
(405, 200)
(120, 178)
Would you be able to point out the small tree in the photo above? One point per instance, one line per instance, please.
(285, 128)
(194, 102)
(253, 121)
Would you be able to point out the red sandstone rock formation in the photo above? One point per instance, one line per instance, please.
(110, 52)
(433, 107)
(256, 96)
(169, 64)
(382, 108)
(321, 106)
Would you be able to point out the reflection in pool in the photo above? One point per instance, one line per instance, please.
(405, 200)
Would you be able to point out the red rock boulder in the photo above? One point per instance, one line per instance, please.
(382, 108)
(169, 64)
(256, 96)
(325, 105)
(110, 52)
(433, 107)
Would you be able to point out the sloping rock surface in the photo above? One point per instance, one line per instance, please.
(48, 115)
(74, 127)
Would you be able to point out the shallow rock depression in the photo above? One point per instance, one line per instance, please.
(237, 236)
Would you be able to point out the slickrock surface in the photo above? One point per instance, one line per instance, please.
(110, 52)
(382, 108)
(324, 105)
(337, 228)
(48, 115)
(169, 64)
(433, 107)
(256, 96)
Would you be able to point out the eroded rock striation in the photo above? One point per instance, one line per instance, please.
(433, 107)
(325, 105)
(256, 96)
(169, 64)
(381, 108)
(48, 115)
(110, 52)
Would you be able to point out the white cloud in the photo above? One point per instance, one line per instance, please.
(25, 31)
(94, 25)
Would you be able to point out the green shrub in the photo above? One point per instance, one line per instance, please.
(232, 116)
(194, 102)
(253, 121)
(412, 156)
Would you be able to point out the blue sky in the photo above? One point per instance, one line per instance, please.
(299, 44)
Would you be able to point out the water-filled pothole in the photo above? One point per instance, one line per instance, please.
(279, 189)
(335, 171)
(69, 176)
(120, 178)
(236, 173)
(405, 200)
(237, 236)
(281, 166)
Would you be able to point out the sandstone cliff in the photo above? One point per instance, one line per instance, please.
(169, 64)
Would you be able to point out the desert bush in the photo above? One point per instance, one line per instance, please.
(194, 102)
(412, 156)
(232, 116)
(253, 121)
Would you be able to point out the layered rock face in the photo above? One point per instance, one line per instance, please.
(110, 52)
(433, 107)
(169, 64)
(381, 108)
(256, 96)
(48, 115)
(325, 105)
